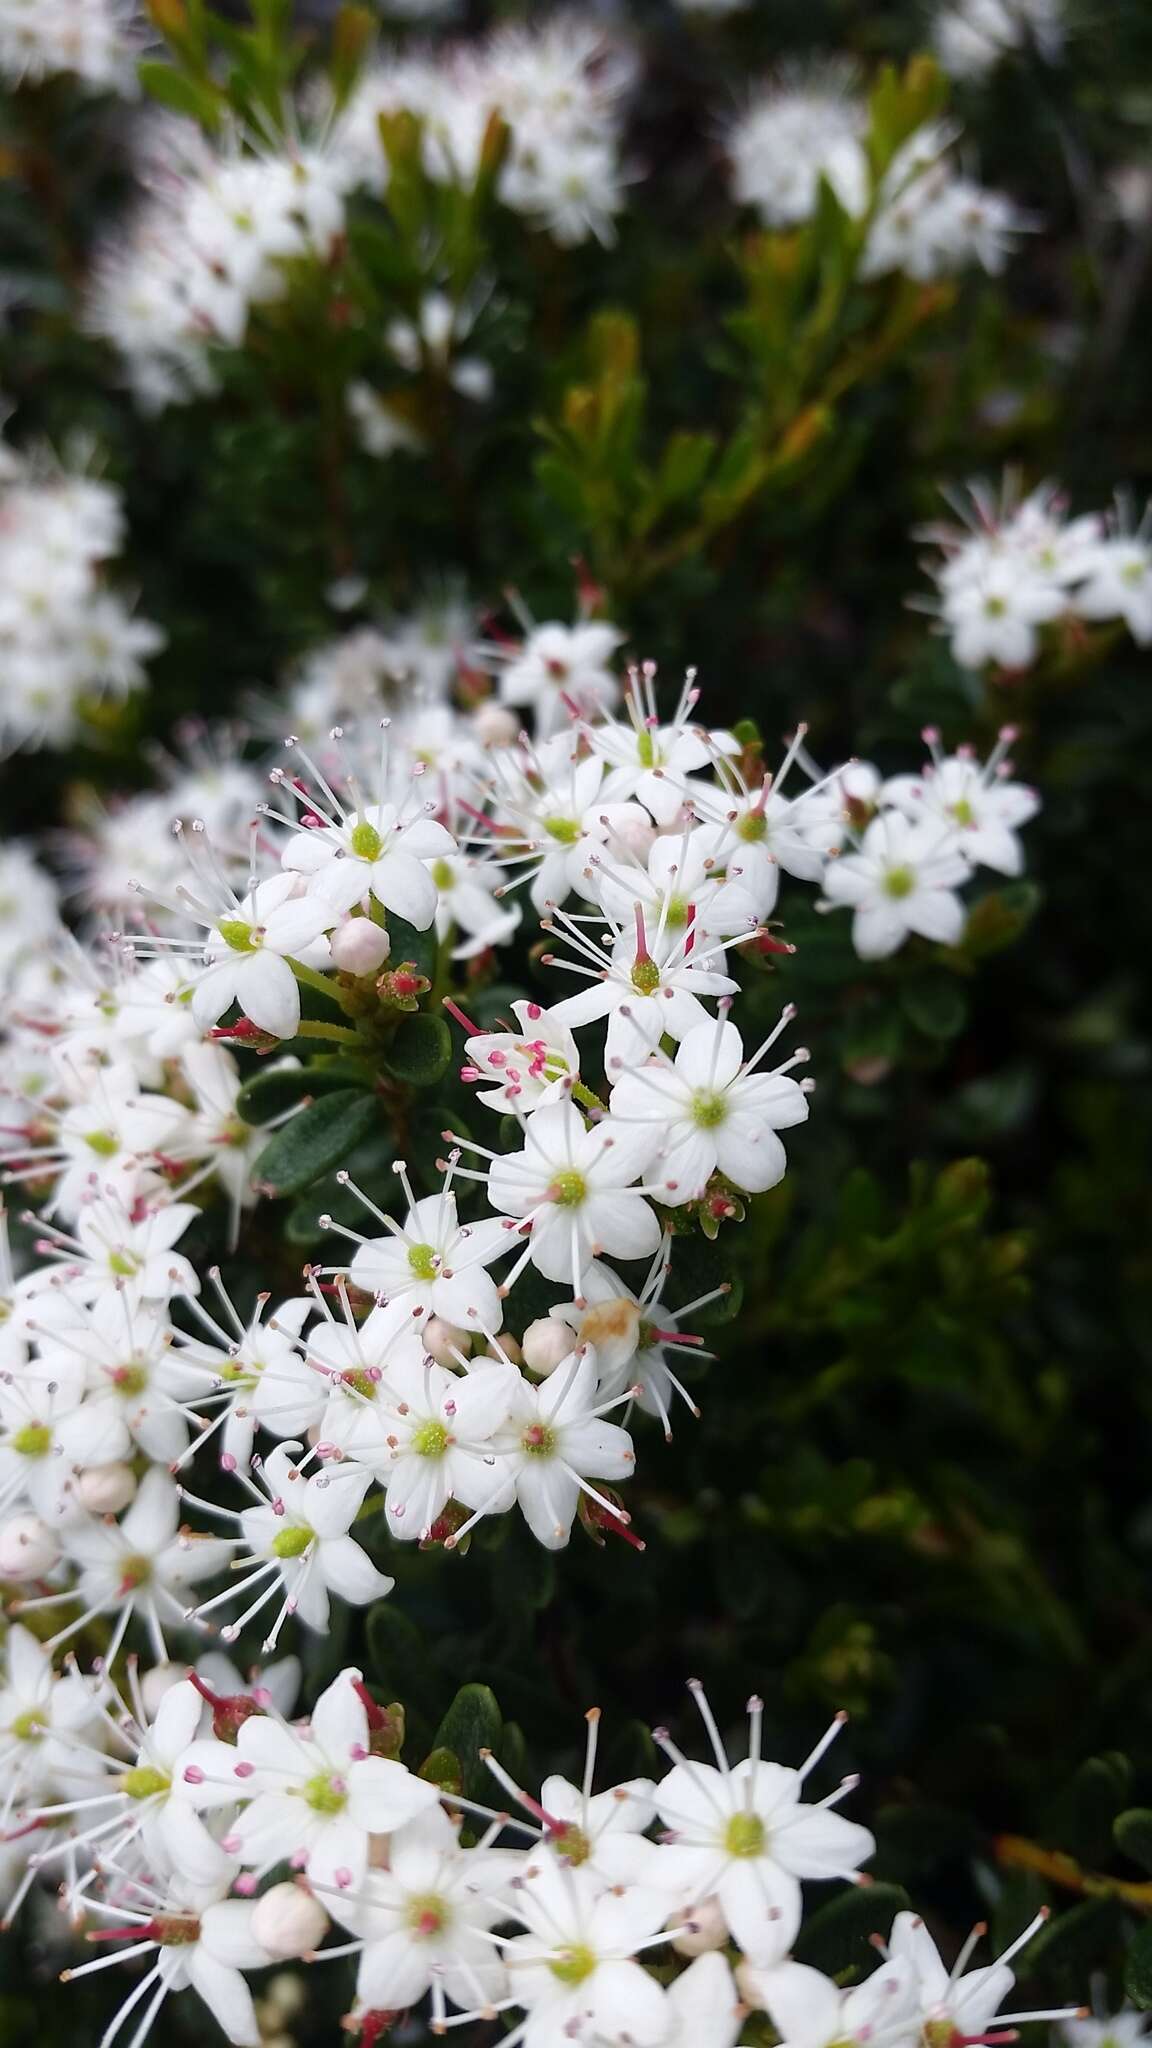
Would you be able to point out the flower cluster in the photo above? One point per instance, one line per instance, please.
(1019, 564)
(207, 1834)
(66, 639)
(93, 41)
(927, 219)
(558, 87)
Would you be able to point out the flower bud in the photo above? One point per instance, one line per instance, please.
(701, 1929)
(503, 1346)
(495, 725)
(545, 1344)
(628, 825)
(359, 946)
(105, 1489)
(156, 1681)
(288, 1921)
(442, 1340)
(28, 1548)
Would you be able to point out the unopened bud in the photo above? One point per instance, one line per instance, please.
(628, 825)
(503, 1347)
(495, 725)
(546, 1344)
(158, 1680)
(288, 1921)
(105, 1489)
(700, 1930)
(28, 1548)
(443, 1340)
(359, 946)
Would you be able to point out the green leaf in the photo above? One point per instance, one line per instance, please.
(837, 1938)
(419, 1050)
(1133, 1834)
(473, 1722)
(421, 948)
(319, 1138)
(998, 919)
(937, 1004)
(266, 1095)
(443, 1768)
(176, 90)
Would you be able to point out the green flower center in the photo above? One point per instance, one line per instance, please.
(995, 607)
(325, 1794)
(431, 1440)
(539, 1441)
(104, 1144)
(745, 1835)
(366, 842)
(442, 875)
(573, 1965)
(361, 1382)
(708, 1111)
(571, 1844)
(565, 830)
(125, 1267)
(1134, 572)
(135, 1571)
(28, 1727)
(130, 1380)
(242, 937)
(242, 1375)
(899, 882)
(292, 1542)
(422, 1260)
(753, 827)
(646, 750)
(427, 1915)
(569, 1189)
(645, 976)
(33, 1441)
(144, 1782)
(963, 813)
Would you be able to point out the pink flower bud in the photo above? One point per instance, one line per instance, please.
(442, 1340)
(495, 725)
(628, 825)
(545, 1344)
(359, 946)
(28, 1548)
(701, 1929)
(105, 1489)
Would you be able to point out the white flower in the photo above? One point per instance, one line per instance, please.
(526, 1069)
(562, 672)
(743, 1833)
(575, 1967)
(1118, 584)
(976, 798)
(967, 2001)
(647, 983)
(601, 1832)
(709, 1111)
(302, 1543)
(314, 1795)
(902, 879)
(809, 2010)
(789, 139)
(996, 616)
(436, 1440)
(554, 1440)
(204, 1946)
(572, 1188)
(250, 950)
(429, 1265)
(425, 1920)
(706, 2010)
(650, 762)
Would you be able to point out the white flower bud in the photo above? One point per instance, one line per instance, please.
(702, 1928)
(288, 1921)
(105, 1489)
(443, 1340)
(546, 1343)
(28, 1548)
(359, 946)
(504, 1346)
(628, 825)
(496, 726)
(158, 1680)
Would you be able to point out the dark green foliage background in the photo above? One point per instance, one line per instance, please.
(921, 1486)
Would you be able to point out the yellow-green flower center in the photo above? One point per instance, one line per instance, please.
(366, 842)
(571, 1844)
(130, 1380)
(422, 1260)
(33, 1441)
(565, 830)
(538, 1440)
(708, 1110)
(753, 827)
(963, 813)
(442, 874)
(645, 977)
(144, 1782)
(325, 1794)
(105, 1144)
(899, 882)
(292, 1542)
(241, 936)
(427, 1915)
(29, 1726)
(745, 1835)
(135, 1571)
(568, 1189)
(573, 1965)
(431, 1440)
